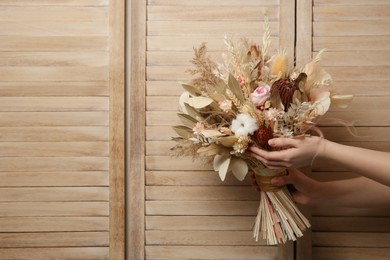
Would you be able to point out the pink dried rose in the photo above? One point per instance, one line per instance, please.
(261, 94)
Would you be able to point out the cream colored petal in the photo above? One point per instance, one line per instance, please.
(239, 168)
(199, 102)
(221, 164)
(184, 97)
(211, 133)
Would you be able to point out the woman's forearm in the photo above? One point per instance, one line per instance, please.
(357, 192)
(369, 163)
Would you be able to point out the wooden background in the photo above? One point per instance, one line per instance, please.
(61, 143)
(180, 208)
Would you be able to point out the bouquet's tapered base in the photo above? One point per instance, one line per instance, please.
(278, 218)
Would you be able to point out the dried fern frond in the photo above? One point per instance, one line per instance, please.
(318, 57)
(266, 39)
(204, 68)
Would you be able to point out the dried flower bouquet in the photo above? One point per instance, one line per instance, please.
(246, 100)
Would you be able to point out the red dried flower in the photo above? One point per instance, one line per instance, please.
(286, 89)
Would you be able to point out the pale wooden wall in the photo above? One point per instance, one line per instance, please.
(60, 122)
(357, 36)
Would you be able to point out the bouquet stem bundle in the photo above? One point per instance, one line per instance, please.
(278, 218)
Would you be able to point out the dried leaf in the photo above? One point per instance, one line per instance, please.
(199, 102)
(236, 88)
(183, 131)
(193, 112)
(187, 120)
(191, 89)
(221, 164)
(228, 141)
(239, 168)
(211, 133)
(209, 150)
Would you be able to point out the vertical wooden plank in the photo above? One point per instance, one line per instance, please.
(117, 129)
(136, 61)
(287, 27)
(304, 46)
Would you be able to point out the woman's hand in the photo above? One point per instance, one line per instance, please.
(306, 190)
(297, 152)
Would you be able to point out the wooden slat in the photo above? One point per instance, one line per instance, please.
(53, 224)
(233, 223)
(351, 28)
(163, 88)
(52, 43)
(216, 2)
(12, 119)
(53, 209)
(359, 72)
(353, 253)
(355, 58)
(363, 87)
(55, 179)
(191, 178)
(168, 193)
(212, 252)
(180, 43)
(32, 164)
(53, 58)
(211, 13)
(53, 13)
(350, 239)
(84, 253)
(22, 89)
(57, 73)
(350, 2)
(212, 238)
(165, 163)
(195, 208)
(356, 212)
(53, 134)
(351, 224)
(348, 12)
(54, 194)
(182, 58)
(237, 28)
(55, 2)
(53, 149)
(65, 239)
(352, 43)
(54, 28)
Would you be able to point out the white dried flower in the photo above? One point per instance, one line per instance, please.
(225, 105)
(198, 128)
(243, 125)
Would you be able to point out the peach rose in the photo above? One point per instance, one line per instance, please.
(261, 94)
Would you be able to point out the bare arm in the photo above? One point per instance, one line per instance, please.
(357, 192)
(302, 151)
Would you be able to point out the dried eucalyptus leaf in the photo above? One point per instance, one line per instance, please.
(221, 164)
(183, 131)
(199, 102)
(187, 120)
(236, 88)
(209, 150)
(239, 168)
(228, 141)
(193, 112)
(211, 133)
(191, 89)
